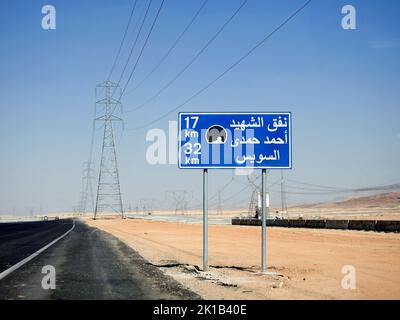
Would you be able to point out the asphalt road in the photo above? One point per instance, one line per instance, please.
(20, 239)
(89, 263)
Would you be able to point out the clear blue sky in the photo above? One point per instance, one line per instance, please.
(342, 87)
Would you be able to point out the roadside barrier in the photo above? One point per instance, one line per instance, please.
(361, 225)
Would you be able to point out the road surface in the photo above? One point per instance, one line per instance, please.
(89, 264)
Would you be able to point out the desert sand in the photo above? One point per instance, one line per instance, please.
(304, 263)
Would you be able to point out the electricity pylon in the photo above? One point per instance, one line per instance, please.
(87, 188)
(181, 200)
(255, 202)
(108, 199)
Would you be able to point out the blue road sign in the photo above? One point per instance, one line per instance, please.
(235, 140)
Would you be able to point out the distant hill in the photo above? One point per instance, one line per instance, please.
(382, 200)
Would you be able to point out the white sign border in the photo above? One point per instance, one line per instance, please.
(180, 114)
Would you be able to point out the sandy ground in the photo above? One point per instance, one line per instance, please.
(304, 263)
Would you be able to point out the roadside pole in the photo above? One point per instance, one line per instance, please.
(263, 222)
(205, 219)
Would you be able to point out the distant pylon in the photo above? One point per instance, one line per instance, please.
(108, 199)
(181, 200)
(255, 201)
(87, 188)
(147, 205)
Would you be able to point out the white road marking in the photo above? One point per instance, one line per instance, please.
(5, 273)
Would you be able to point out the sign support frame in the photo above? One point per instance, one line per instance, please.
(264, 213)
(212, 126)
(205, 219)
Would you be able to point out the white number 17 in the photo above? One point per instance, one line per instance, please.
(194, 118)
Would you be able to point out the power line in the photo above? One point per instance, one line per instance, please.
(261, 42)
(219, 207)
(122, 41)
(302, 190)
(134, 43)
(283, 196)
(235, 194)
(166, 55)
(192, 61)
(274, 183)
(141, 51)
(320, 190)
(316, 185)
(221, 201)
(93, 135)
(220, 189)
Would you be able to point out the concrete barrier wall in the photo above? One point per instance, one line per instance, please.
(337, 224)
(281, 223)
(297, 223)
(365, 225)
(317, 224)
(236, 221)
(270, 222)
(388, 226)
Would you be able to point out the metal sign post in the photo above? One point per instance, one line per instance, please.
(263, 221)
(205, 219)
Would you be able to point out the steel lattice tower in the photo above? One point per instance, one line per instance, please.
(181, 201)
(87, 189)
(255, 205)
(108, 199)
